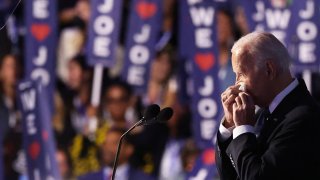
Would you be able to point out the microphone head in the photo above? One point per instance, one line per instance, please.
(151, 111)
(165, 114)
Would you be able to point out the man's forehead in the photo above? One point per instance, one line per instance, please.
(236, 59)
(240, 62)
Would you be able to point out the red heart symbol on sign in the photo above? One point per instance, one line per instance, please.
(205, 61)
(208, 157)
(146, 9)
(40, 31)
(34, 150)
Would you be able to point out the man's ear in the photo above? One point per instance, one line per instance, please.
(271, 69)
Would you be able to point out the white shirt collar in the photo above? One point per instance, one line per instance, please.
(121, 174)
(276, 101)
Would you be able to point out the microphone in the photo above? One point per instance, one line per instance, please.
(150, 113)
(164, 115)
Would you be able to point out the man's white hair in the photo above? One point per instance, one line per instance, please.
(262, 46)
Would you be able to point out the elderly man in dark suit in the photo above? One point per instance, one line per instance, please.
(281, 139)
(124, 171)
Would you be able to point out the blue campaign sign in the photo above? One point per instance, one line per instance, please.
(295, 23)
(304, 41)
(202, 52)
(184, 69)
(104, 31)
(38, 140)
(142, 37)
(40, 43)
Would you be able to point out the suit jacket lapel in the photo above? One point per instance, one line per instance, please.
(285, 106)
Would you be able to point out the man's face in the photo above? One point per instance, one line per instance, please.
(161, 68)
(62, 163)
(255, 79)
(75, 75)
(117, 102)
(8, 70)
(109, 149)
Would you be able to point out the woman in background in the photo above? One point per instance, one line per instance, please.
(9, 118)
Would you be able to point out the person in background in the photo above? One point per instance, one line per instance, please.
(82, 116)
(171, 166)
(162, 85)
(225, 30)
(117, 104)
(189, 154)
(10, 124)
(115, 111)
(108, 152)
(241, 20)
(61, 123)
(280, 141)
(73, 12)
(74, 16)
(79, 82)
(161, 90)
(71, 42)
(64, 163)
(8, 82)
(168, 13)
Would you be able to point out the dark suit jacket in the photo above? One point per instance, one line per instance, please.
(291, 149)
(4, 118)
(134, 174)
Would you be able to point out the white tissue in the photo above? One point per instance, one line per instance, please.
(242, 87)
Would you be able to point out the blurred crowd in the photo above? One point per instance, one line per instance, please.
(162, 151)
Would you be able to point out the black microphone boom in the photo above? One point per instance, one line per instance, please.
(151, 112)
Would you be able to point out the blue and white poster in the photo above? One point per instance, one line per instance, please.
(104, 31)
(41, 42)
(199, 47)
(143, 34)
(295, 23)
(38, 140)
(203, 53)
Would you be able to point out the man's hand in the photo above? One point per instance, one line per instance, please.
(243, 110)
(228, 99)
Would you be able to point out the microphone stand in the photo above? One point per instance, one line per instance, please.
(115, 164)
